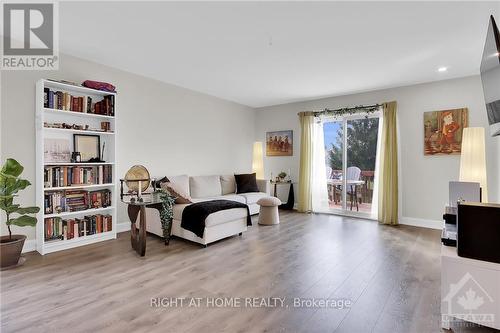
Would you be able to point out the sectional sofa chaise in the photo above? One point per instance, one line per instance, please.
(220, 224)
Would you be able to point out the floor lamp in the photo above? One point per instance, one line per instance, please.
(473, 159)
(258, 160)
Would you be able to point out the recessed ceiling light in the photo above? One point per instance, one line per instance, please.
(442, 69)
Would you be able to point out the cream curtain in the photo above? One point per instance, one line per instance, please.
(388, 167)
(319, 184)
(306, 161)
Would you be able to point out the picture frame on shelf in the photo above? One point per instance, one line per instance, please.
(56, 150)
(88, 145)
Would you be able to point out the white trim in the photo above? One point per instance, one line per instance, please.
(29, 245)
(423, 223)
(122, 226)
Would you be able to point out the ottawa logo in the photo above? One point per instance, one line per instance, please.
(468, 300)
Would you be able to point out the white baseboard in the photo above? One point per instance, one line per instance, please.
(122, 227)
(29, 245)
(424, 223)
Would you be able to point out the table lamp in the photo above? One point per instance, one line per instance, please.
(473, 159)
(258, 160)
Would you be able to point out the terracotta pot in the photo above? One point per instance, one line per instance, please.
(10, 250)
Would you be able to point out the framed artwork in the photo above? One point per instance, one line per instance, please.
(56, 150)
(89, 146)
(279, 143)
(443, 131)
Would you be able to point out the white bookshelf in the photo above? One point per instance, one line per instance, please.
(50, 115)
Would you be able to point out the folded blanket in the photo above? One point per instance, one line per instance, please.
(194, 215)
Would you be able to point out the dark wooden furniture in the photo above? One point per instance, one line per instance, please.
(138, 208)
(288, 205)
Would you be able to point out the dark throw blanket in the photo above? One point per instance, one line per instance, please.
(194, 215)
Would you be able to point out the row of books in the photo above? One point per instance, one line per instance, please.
(76, 175)
(75, 200)
(65, 101)
(59, 229)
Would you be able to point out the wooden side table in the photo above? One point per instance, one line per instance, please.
(138, 208)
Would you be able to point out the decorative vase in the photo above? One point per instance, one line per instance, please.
(10, 250)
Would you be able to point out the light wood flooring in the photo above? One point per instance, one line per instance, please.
(390, 274)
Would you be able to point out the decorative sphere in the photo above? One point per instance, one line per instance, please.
(137, 172)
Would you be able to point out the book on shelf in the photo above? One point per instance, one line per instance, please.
(65, 101)
(57, 228)
(100, 198)
(75, 200)
(59, 176)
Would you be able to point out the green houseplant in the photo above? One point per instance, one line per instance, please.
(282, 175)
(10, 184)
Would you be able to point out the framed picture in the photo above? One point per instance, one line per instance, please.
(279, 143)
(56, 150)
(89, 146)
(443, 131)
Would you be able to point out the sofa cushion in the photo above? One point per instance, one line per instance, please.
(228, 184)
(225, 216)
(205, 186)
(181, 184)
(246, 183)
(232, 197)
(253, 197)
(222, 216)
(176, 191)
(177, 210)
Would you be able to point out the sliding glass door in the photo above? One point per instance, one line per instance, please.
(351, 145)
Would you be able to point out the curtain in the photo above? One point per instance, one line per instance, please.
(376, 176)
(319, 185)
(388, 167)
(306, 161)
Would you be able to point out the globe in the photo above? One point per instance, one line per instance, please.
(135, 173)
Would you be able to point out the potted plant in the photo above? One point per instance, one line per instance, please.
(10, 183)
(282, 175)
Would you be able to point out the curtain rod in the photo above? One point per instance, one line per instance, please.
(349, 110)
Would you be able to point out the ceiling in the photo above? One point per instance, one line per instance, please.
(266, 53)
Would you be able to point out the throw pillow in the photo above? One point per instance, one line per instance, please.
(204, 186)
(176, 191)
(246, 183)
(159, 181)
(228, 184)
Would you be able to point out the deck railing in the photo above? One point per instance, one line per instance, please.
(365, 191)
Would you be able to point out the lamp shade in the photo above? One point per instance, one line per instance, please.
(258, 160)
(473, 159)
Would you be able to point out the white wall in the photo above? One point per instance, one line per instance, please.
(424, 181)
(173, 130)
(170, 130)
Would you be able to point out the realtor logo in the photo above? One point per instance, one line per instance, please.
(468, 300)
(30, 36)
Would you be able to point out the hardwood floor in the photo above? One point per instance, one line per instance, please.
(390, 274)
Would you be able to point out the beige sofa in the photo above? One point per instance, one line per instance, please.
(218, 225)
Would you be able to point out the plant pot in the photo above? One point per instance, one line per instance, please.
(10, 250)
